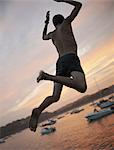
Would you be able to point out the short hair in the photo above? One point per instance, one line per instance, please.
(57, 19)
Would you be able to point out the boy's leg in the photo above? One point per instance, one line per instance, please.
(77, 81)
(48, 101)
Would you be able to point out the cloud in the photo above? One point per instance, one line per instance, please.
(24, 54)
(99, 65)
(95, 25)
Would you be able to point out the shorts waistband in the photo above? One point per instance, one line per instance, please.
(68, 54)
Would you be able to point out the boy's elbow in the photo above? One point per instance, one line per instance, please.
(44, 38)
(79, 5)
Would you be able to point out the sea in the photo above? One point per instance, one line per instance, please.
(73, 132)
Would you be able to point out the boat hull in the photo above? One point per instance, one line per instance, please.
(106, 104)
(100, 114)
(48, 130)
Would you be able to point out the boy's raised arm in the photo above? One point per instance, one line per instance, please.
(75, 11)
(46, 36)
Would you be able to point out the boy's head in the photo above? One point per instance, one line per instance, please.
(57, 19)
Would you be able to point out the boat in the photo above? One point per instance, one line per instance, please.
(105, 103)
(47, 130)
(77, 110)
(2, 141)
(93, 104)
(99, 114)
(62, 116)
(111, 97)
(50, 122)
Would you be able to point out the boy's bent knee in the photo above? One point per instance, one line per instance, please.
(83, 89)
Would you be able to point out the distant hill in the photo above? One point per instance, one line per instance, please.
(86, 99)
(21, 124)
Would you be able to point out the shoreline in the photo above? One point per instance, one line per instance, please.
(22, 124)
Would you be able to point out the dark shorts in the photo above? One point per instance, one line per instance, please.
(68, 63)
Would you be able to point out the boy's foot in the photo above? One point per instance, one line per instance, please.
(41, 76)
(34, 119)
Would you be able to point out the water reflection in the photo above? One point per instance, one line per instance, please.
(73, 133)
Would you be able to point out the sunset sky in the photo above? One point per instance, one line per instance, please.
(23, 53)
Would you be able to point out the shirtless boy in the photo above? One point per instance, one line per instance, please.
(68, 68)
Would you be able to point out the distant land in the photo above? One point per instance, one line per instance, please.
(21, 124)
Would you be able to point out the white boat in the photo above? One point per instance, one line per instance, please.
(105, 103)
(93, 103)
(47, 130)
(2, 141)
(61, 116)
(96, 115)
(77, 110)
(49, 122)
(111, 97)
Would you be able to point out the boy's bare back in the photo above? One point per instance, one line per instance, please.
(63, 39)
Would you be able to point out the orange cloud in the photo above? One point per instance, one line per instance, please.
(99, 64)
